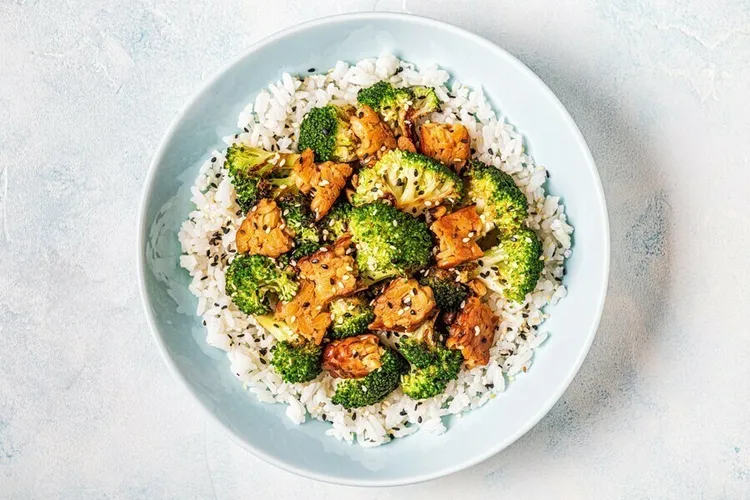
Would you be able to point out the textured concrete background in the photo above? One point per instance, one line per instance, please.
(661, 93)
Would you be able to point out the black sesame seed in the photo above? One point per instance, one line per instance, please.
(489, 150)
(306, 304)
(263, 351)
(354, 416)
(402, 413)
(419, 420)
(324, 417)
(324, 266)
(263, 361)
(311, 70)
(332, 281)
(213, 160)
(399, 70)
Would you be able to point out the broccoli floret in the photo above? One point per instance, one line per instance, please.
(336, 221)
(415, 182)
(448, 292)
(425, 102)
(252, 280)
(350, 316)
(326, 131)
(512, 268)
(301, 221)
(389, 242)
(294, 358)
(432, 367)
(297, 361)
(249, 191)
(356, 392)
(496, 196)
(391, 103)
(247, 168)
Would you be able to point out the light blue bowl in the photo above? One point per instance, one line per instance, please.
(263, 429)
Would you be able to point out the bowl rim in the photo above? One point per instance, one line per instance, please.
(142, 238)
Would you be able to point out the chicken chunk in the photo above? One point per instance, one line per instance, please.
(332, 269)
(324, 181)
(354, 357)
(263, 231)
(403, 306)
(449, 143)
(305, 313)
(457, 234)
(405, 144)
(473, 331)
(374, 134)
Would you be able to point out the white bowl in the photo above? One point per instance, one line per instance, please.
(552, 139)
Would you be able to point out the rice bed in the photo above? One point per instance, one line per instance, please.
(207, 239)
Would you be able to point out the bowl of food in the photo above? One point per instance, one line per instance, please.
(355, 240)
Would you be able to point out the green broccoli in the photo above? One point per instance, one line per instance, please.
(350, 316)
(415, 182)
(449, 293)
(356, 392)
(326, 131)
(301, 221)
(294, 359)
(336, 221)
(512, 268)
(391, 103)
(432, 367)
(389, 242)
(498, 200)
(251, 280)
(425, 102)
(247, 168)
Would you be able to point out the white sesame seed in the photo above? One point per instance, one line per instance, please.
(476, 330)
(292, 319)
(466, 240)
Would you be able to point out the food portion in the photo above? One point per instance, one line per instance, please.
(374, 256)
(402, 306)
(447, 143)
(457, 234)
(412, 182)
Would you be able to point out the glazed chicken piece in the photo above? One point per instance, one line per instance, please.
(374, 134)
(403, 306)
(457, 234)
(332, 269)
(473, 331)
(263, 231)
(324, 181)
(405, 144)
(353, 357)
(448, 143)
(305, 313)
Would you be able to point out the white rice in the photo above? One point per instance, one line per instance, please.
(207, 239)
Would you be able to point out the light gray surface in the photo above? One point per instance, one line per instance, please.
(660, 408)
